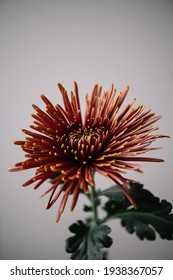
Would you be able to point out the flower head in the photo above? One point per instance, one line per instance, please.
(68, 150)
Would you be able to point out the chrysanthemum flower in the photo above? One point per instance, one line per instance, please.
(68, 150)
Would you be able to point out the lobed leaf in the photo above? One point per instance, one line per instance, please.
(151, 216)
(88, 241)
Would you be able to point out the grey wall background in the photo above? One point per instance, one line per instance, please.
(45, 42)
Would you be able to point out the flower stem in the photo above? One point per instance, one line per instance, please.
(94, 205)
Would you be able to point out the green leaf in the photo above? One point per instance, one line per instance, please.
(114, 193)
(139, 194)
(151, 216)
(88, 241)
(87, 208)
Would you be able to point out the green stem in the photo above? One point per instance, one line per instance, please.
(136, 214)
(94, 204)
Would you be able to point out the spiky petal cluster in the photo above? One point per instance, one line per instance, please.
(68, 150)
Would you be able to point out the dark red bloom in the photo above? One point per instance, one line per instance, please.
(68, 150)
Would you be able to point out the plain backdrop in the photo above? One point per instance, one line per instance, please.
(45, 42)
